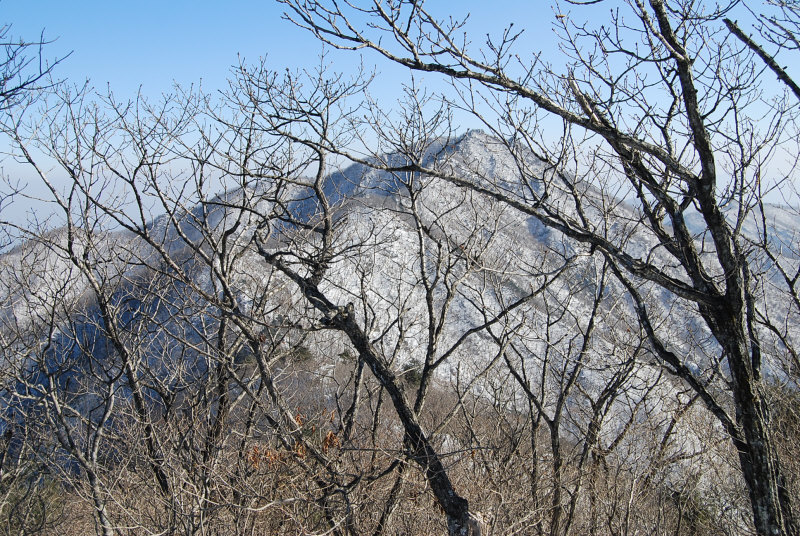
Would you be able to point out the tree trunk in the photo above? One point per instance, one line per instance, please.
(772, 510)
(771, 504)
(460, 521)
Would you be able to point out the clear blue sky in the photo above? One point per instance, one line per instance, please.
(153, 43)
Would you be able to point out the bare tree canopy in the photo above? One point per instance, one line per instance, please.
(291, 308)
(660, 104)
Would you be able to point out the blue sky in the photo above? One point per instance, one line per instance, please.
(150, 44)
(153, 43)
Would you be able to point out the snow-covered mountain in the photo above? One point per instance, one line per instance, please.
(391, 228)
(429, 268)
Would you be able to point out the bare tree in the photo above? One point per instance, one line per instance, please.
(306, 120)
(659, 106)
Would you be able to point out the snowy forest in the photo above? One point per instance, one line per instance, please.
(291, 309)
